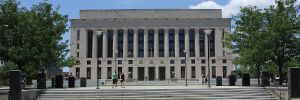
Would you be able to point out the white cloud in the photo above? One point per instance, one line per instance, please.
(233, 6)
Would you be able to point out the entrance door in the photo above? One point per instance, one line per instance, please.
(151, 73)
(162, 73)
(141, 75)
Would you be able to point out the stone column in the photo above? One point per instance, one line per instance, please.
(135, 43)
(187, 42)
(176, 42)
(166, 42)
(115, 42)
(197, 44)
(104, 52)
(125, 43)
(156, 48)
(145, 43)
(94, 54)
(206, 54)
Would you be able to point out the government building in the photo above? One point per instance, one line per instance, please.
(150, 44)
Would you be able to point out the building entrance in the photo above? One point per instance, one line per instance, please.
(151, 73)
(162, 73)
(141, 73)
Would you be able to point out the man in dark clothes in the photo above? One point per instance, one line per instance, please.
(122, 79)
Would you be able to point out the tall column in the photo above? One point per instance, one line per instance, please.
(94, 54)
(197, 44)
(166, 42)
(187, 42)
(145, 43)
(104, 52)
(135, 43)
(156, 48)
(115, 42)
(125, 43)
(176, 42)
(206, 54)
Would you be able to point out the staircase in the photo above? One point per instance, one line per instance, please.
(140, 93)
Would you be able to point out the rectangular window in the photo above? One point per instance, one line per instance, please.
(77, 45)
(88, 72)
(172, 72)
(203, 72)
(193, 72)
(99, 72)
(110, 43)
(130, 43)
(90, 44)
(120, 42)
(224, 61)
(78, 34)
(182, 61)
(130, 62)
(108, 62)
(99, 62)
(172, 61)
(224, 71)
(77, 74)
(161, 33)
(140, 43)
(77, 54)
(192, 42)
(77, 62)
(213, 61)
(88, 62)
(193, 61)
(182, 72)
(130, 72)
(119, 61)
(213, 71)
(109, 73)
(202, 61)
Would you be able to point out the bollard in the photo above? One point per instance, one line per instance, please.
(41, 81)
(82, 82)
(232, 80)
(59, 81)
(15, 89)
(294, 82)
(265, 79)
(246, 79)
(53, 82)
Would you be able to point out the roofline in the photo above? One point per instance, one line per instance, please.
(147, 9)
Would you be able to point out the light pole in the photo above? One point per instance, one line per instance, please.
(116, 52)
(207, 33)
(185, 51)
(99, 33)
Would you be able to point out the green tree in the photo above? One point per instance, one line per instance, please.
(267, 37)
(32, 38)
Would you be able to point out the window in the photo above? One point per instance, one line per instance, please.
(224, 71)
(182, 61)
(203, 70)
(89, 44)
(78, 34)
(202, 61)
(77, 45)
(88, 72)
(77, 54)
(88, 62)
(213, 61)
(193, 72)
(172, 61)
(108, 62)
(99, 72)
(130, 72)
(213, 71)
(77, 74)
(130, 62)
(99, 62)
(193, 61)
(182, 72)
(109, 73)
(119, 61)
(172, 72)
(77, 62)
(224, 61)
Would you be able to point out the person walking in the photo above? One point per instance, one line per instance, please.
(122, 80)
(115, 80)
(203, 79)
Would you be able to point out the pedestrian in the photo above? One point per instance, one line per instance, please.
(203, 79)
(115, 80)
(122, 80)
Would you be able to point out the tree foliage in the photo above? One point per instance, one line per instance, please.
(267, 37)
(31, 38)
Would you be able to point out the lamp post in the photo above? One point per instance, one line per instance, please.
(99, 33)
(207, 33)
(185, 51)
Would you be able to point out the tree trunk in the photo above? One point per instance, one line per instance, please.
(280, 74)
(258, 76)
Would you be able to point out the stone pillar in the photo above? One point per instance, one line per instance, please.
(166, 42)
(156, 48)
(104, 52)
(187, 41)
(125, 43)
(176, 42)
(145, 43)
(206, 55)
(197, 44)
(115, 42)
(135, 43)
(294, 82)
(15, 86)
(94, 53)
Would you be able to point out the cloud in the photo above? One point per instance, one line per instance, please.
(233, 6)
